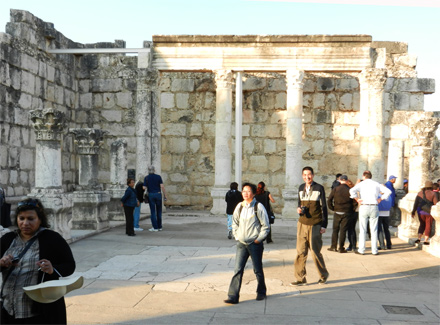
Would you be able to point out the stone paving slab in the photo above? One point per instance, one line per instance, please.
(181, 276)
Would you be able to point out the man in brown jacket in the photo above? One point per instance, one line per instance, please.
(340, 202)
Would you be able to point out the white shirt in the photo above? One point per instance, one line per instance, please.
(369, 191)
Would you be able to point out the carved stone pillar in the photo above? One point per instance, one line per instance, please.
(49, 126)
(118, 178)
(371, 146)
(294, 141)
(223, 139)
(89, 201)
(147, 121)
(421, 136)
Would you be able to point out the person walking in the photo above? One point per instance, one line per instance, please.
(367, 194)
(312, 223)
(139, 188)
(154, 185)
(250, 226)
(265, 198)
(340, 202)
(129, 202)
(425, 197)
(232, 198)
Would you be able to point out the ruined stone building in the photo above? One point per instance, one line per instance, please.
(205, 110)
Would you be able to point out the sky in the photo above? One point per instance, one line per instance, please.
(414, 22)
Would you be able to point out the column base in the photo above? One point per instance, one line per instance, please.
(114, 210)
(58, 206)
(409, 226)
(290, 197)
(90, 210)
(218, 200)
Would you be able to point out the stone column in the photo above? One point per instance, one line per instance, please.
(49, 126)
(422, 133)
(223, 156)
(238, 127)
(371, 129)
(147, 120)
(395, 167)
(118, 178)
(89, 201)
(294, 79)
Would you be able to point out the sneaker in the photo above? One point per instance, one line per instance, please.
(349, 249)
(358, 253)
(426, 243)
(230, 234)
(152, 229)
(322, 281)
(138, 229)
(417, 241)
(299, 283)
(160, 229)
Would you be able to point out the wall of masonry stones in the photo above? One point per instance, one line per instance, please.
(99, 91)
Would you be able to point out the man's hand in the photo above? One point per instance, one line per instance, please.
(256, 241)
(322, 230)
(298, 210)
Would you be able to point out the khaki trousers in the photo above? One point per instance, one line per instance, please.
(309, 237)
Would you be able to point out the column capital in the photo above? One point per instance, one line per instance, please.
(88, 141)
(295, 78)
(223, 78)
(373, 78)
(422, 131)
(48, 124)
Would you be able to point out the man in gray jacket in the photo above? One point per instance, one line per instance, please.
(250, 226)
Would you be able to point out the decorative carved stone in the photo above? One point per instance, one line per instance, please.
(88, 141)
(373, 78)
(422, 132)
(48, 124)
(223, 78)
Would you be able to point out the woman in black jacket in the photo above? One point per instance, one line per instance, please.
(47, 258)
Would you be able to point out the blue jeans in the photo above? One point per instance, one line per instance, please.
(229, 221)
(155, 201)
(368, 213)
(255, 251)
(137, 215)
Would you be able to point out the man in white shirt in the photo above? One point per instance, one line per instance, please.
(368, 194)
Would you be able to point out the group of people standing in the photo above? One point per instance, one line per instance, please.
(148, 190)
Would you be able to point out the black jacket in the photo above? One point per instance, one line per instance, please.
(54, 248)
(232, 198)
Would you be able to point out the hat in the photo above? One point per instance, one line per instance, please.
(343, 178)
(50, 291)
(405, 181)
(427, 184)
(391, 177)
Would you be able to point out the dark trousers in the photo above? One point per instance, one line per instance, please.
(383, 229)
(155, 201)
(255, 251)
(340, 226)
(129, 227)
(352, 230)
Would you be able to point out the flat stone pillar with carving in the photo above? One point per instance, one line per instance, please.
(49, 125)
(421, 135)
(371, 147)
(223, 139)
(89, 200)
(118, 179)
(294, 79)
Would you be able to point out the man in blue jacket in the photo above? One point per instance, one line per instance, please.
(384, 215)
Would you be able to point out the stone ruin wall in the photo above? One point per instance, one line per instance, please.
(99, 91)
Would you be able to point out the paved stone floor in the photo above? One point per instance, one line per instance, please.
(181, 275)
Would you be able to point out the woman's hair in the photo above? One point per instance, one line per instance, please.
(260, 188)
(253, 187)
(129, 180)
(35, 205)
